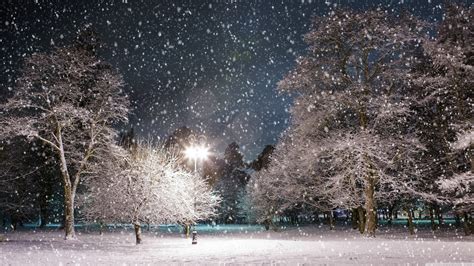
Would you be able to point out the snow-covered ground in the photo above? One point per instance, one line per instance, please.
(237, 245)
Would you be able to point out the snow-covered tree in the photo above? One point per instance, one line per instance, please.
(288, 183)
(149, 185)
(460, 187)
(69, 99)
(350, 121)
(445, 82)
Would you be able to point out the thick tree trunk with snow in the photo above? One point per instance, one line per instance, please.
(138, 232)
(69, 214)
(370, 224)
(68, 191)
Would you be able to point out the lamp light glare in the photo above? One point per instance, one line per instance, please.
(197, 152)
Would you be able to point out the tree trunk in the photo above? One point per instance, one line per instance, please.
(376, 218)
(68, 191)
(331, 220)
(467, 224)
(457, 219)
(138, 233)
(44, 222)
(390, 214)
(69, 214)
(62, 223)
(346, 220)
(293, 219)
(354, 218)
(187, 230)
(267, 224)
(439, 216)
(14, 223)
(101, 228)
(361, 216)
(411, 227)
(369, 191)
(42, 216)
(432, 219)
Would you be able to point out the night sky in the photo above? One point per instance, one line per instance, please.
(209, 65)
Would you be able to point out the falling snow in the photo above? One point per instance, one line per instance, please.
(277, 132)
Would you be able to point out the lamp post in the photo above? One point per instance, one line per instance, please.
(195, 153)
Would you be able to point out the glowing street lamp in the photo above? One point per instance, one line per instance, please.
(195, 153)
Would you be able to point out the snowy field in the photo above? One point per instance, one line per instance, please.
(237, 245)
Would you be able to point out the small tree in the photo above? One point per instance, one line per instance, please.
(149, 185)
(68, 99)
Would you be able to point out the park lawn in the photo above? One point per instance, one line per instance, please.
(231, 244)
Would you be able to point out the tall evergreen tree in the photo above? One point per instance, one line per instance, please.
(231, 184)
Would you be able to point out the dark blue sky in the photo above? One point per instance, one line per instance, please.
(209, 65)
